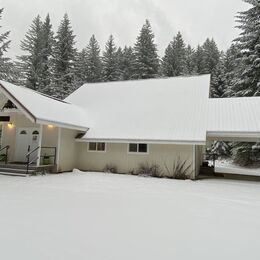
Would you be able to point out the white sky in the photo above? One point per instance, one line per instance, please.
(196, 19)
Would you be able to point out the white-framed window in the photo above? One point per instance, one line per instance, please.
(140, 148)
(96, 147)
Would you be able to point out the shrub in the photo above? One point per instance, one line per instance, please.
(110, 168)
(147, 169)
(180, 170)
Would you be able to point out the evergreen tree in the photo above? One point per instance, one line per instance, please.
(93, 60)
(8, 71)
(199, 60)
(110, 61)
(174, 60)
(47, 52)
(81, 68)
(31, 63)
(128, 64)
(248, 42)
(248, 74)
(190, 60)
(120, 60)
(218, 80)
(231, 69)
(211, 56)
(64, 60)
(145, 50)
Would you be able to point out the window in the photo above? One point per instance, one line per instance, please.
(97, 147)
(23, 132)
(138, 148)
(35, 132)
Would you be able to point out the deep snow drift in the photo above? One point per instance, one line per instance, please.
(100, 216)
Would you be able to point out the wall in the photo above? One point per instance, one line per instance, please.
(118, 155)
(67, 152)
(9, 134)
(50, 136)
(200, 149)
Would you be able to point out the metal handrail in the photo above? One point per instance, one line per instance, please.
(6, 148)
(37, 157)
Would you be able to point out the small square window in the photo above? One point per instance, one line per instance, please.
(138, 148)
(142, 148)
(133, 148)
(92, 146)
(101, 146)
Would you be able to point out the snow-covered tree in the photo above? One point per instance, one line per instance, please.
(146, 57)
(64, 60)
(222, 149)
(128, 64)
(31, 62)
(211, 56)
(248, 83)
(93, 59)
(174, 60)
(8, 70)
(218, 86)
(199, 60)
(190, 60)
(47, 52)
(110, 69)
(81, 68)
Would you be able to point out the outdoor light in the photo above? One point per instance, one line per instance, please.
(10, 125)
(50, 126)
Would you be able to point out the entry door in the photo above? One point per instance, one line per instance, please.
(25, 137)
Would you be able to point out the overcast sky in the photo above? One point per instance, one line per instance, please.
(196, 19)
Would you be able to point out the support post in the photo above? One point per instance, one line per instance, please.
(40, 145)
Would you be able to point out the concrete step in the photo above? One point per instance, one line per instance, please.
(15, 170)
(13, 174)
(17, 166)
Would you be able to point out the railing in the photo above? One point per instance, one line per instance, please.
(28, 155)
(6, 148)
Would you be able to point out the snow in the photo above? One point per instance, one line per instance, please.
(235, 117)
(45, 109)
(170, 110)
(101, 216)
(226, 166)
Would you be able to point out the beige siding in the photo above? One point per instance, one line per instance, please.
(9, 134)
(67, 152)
(118, 155)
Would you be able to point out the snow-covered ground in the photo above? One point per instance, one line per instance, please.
(100, 216)
(226, 166)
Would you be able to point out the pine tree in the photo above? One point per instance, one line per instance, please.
(231, 69)
(31, 62)
(128, 64)
(93, 59)
(120, 60)
(145, 50)
(211, 56)
(8, 70)
(174, 60)
(110, 69)
(248, 42)
(64, 60)
(248, 74)
(218, 86)
(199, 60)
(81, 68)
(190, 60)
(47, 52)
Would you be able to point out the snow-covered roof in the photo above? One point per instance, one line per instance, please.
(234, 117)
(171, 110)
(42, 109)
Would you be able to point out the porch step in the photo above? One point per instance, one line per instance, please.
(16, 170)
(21, 169)
(13, 174)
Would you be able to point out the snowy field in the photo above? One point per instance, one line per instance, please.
(98, 216)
